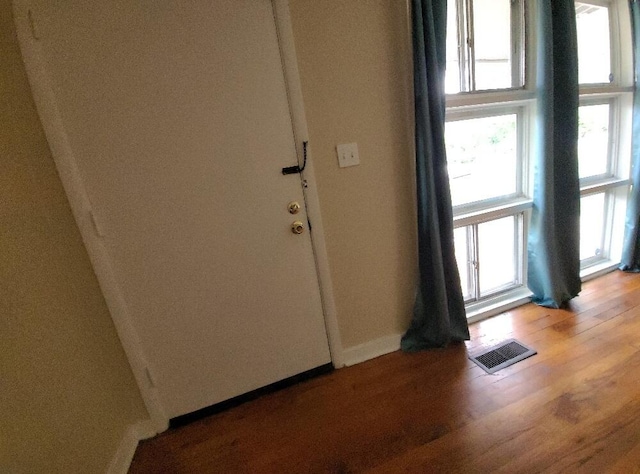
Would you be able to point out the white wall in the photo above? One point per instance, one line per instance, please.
(67, 395)
(355, 69)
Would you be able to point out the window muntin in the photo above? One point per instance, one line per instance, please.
(484, 157)
(485, 46)
(594, 43)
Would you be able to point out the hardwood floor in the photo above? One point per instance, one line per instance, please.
(573, 407)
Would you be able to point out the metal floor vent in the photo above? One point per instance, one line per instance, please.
(503, 355)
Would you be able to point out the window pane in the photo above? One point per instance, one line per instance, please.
(452, 77)
(593, 140)
(482, 154)
(497, 253)
(592, 225)
(461, 237)
(594, 60)
(492, 41)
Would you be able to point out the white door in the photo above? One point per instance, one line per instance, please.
(178, 118)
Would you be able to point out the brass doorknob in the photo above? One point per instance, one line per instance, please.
(297, 227)
(293, 207)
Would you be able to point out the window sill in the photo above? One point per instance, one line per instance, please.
(602, 185)
(474, 216)
(597, 269)
(519, 296)
(498, 304)
(489, 98)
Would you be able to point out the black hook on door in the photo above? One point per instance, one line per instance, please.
(297, 169)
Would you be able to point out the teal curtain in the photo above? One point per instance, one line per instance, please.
(631, 251)
(439, 315)
(554, 237)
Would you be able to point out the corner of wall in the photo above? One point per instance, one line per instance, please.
(135, 433)
(372, 349)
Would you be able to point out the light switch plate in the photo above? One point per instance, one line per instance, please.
(348, 155)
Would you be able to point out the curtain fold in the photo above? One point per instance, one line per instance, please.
(554, 236)
(439, 314)
(630, 261)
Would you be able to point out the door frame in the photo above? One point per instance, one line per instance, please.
(26, 22)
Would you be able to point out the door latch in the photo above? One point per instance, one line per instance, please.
(297, 169)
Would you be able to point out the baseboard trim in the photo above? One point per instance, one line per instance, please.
(372, 349)
(123, 456)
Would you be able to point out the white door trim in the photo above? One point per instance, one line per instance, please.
(296, 106)
(26, 22)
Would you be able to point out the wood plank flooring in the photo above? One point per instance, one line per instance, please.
(573, 407)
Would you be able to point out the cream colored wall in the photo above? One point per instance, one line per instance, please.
(66, 390)
(355, 70)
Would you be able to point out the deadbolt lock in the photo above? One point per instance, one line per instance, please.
(293, 207)
(297, 227)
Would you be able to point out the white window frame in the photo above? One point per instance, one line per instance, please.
(614, 184)
(611, 163)
(517, 108)
(486, 103)
(473, 265)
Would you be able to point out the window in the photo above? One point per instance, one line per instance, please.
(497, 244)
(486, 136)
(490, 105)
(483, 150)
(603, 130)
(592, 220)
(484, 45)
(594, 140)
(594, 43)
